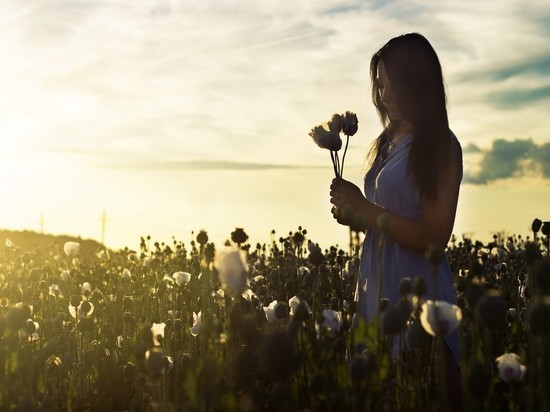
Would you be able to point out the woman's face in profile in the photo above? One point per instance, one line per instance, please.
(386, 93)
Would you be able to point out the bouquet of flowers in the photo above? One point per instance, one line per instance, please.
(327, 136)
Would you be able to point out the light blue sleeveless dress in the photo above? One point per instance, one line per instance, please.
(388, 185)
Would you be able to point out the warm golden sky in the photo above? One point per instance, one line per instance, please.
(176, 116)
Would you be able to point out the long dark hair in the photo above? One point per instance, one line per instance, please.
(416, 78)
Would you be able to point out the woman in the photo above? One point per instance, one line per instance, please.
(413, 181)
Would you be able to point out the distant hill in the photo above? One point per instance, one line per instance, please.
(29, 240)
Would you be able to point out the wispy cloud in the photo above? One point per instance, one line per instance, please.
(510, 159)
(205, 165)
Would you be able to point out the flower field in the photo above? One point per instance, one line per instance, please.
(267, 327)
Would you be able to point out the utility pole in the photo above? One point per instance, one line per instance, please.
(103, 224)
(42, 223)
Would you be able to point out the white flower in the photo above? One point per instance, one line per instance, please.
(197, 321)
(168, 279)
(9, 244)
(146, 261)
(248, 295)
(348, 270)
(71, 249)
(182, 278)
(449, 317)
(270, 311)
(65, 276)
(302, 270)
(498, 253)
(232, 271)
(85, 309)
(326, 139)
(29, 332)
(120, 341)
(126, 274)
(169, 362)
(158, 330)
(509, 368)
(332, 320)
(55, 291)
(102, 254)
(258, 278)
(294, 302)
(86, 287)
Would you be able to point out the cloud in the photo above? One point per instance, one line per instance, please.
(471, 148)
(510, 159)
(517, 98)
(205, 165)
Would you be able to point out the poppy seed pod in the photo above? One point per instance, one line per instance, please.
(239, 236)
(420, 287)
(541, 276)
(405, 286)
(434, 254)
(281, 311)
(538, 316)
(532, 253)
(316, 257)
(202, 238)
(491, 310)
(383, 304)
(545, 229)
(536, 225)
(392, 321)
(75, 301)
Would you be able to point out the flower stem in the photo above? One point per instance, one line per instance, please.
(332, 156)
(344, 156)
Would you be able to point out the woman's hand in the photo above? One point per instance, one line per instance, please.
(344, 193)
(349, 204)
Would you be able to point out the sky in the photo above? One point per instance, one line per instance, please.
(121, 119)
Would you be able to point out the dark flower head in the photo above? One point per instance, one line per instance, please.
(350, 124)
(536, 225)
(545, 229)
(336, 123)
